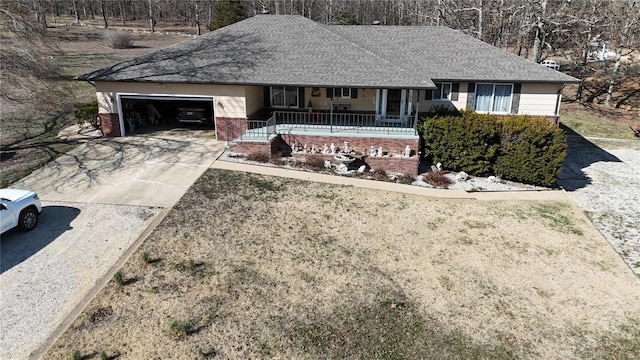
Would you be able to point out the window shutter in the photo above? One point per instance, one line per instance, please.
(455, 89)
(301, 102)
(471, 98)
(329, 92)
(515, 98)
(354, 93)
(428, 94)
(267, 96)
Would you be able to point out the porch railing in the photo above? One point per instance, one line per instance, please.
(359, 123)
(288, 121)
(259, 129)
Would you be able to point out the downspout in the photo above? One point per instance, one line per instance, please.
(556, 112)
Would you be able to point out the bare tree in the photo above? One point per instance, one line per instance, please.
(626, 27)
(27, 71)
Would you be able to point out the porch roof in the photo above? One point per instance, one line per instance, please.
(293, 50)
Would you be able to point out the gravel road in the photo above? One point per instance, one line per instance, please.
(603, 177)
(76, 244)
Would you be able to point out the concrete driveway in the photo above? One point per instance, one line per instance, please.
(98, 201)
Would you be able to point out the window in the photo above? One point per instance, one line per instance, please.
(343, 92)
(443, 91)
(493, 98)
(284, 96)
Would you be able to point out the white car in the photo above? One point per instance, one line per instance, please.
(19, 208)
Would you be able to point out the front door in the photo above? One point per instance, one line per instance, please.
(393, 104)
(394, 98)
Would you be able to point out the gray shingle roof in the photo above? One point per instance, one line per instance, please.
(293, 50)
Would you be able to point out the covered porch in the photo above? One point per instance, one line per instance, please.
(330, 123)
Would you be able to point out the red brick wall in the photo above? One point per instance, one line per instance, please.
(248, 147)
(393, 146)
(395, 163)
(110, 124)
(230, 128)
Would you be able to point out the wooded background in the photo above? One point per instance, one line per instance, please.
(589, 37)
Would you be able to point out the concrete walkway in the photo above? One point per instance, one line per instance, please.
(100, 201)
(557, 195)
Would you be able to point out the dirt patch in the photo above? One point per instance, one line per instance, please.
(599, 121)
(250, 266)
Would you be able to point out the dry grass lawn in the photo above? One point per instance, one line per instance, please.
(249, 266)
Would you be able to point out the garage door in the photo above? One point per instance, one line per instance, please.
(149, 112)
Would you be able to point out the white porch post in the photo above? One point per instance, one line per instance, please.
(383, 106)
(410, 102)
(403, 103)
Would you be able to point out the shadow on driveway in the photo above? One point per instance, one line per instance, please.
(581, 153)
(17, 246)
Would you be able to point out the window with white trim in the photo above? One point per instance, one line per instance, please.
(443, 91)
(284, 96)
(343, 92)
(494, 98)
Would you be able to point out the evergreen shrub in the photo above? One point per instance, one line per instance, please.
(468, 142)
(521, 148)
(531, 150)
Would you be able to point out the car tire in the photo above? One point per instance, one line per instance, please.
(28, 219)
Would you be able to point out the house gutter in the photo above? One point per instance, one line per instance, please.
(90, 83)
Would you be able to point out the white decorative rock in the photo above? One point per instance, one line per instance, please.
(362, 168)
(327, 164)
(462, 176)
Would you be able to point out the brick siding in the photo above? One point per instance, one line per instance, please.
(230, 128)
(394, 146)
(396, 163)
(110, 124)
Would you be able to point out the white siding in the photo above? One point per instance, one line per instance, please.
(428, 105)
(538, 99)
(366, 100)
(254, 98)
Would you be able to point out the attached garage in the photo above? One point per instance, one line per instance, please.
(145, 112)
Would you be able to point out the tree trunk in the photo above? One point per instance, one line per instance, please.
(152, 21)
(104, 14)
(537, 44)
(583, 64)
(614, 72)
(75, 11)
(123, 12)
(538, 41)
(40, 15)
(197, 14)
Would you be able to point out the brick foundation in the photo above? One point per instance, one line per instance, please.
(230, 128)
(394, 146)
(248, 147)
(396, 163)
(110, 124)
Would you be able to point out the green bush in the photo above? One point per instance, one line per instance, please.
(87, 112)
(468, 142)
(531, 150)
(520, 148)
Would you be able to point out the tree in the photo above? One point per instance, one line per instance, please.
(228, 12)
(27, 72)
(626, 26)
